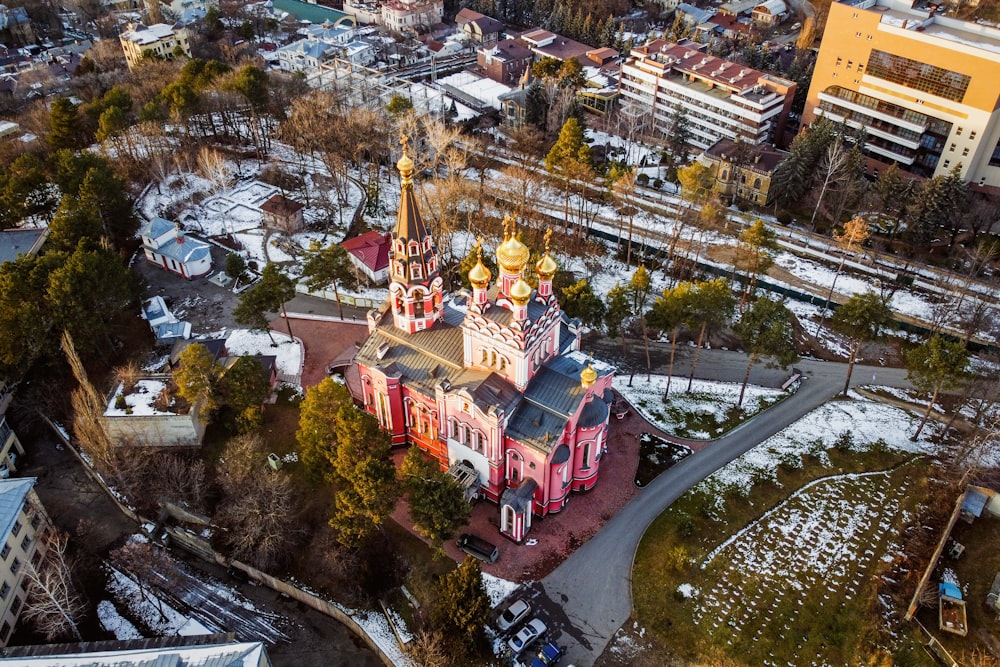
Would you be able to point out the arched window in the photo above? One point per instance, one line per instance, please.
(502, 366)
(432, 265)
(414, 248)
(756, 184)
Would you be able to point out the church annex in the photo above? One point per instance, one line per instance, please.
(495, 380)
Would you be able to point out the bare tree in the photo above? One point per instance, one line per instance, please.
(53, 604)
(259, 521)
(830, 168)
(854, 234)
(143, 563)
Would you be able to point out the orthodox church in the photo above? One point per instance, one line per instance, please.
(494, 381)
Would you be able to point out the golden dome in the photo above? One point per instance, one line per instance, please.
(479, 276)
(512, 255)
(405, 164)
(520, 293)
(546, 267)
(588, 376)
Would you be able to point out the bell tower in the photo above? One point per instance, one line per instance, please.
(415, 279)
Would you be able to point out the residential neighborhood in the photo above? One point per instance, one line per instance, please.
(432, 332)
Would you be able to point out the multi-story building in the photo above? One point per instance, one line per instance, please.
(159, 39)
(721, 99)
(22, 525)
(409, 16)
(494, 382)
(743, 172)
(219, 650)
(923, 86)
(504, 61)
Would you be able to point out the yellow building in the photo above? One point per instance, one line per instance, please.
(924, 86)
(159, 39)
(743, 171)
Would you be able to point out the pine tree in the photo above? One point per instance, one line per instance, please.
(608, 32)
(462, 603)
(766, 331)
(934, 366)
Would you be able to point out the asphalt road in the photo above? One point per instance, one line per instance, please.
(594, 586)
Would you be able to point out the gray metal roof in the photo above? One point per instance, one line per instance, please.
(12, 495)
(537, 417)
(520, 498)
(17, 242)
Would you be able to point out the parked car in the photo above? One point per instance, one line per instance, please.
(479, 548)
(514, 614)
(527, 634)
(548, 656)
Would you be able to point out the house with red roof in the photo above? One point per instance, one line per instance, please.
(369, 253)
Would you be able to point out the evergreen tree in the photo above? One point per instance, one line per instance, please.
(437, 503)
(268, 295)
(755, 255)
(65, 125)
(608, 32)
(618, 309)
(569, 159)
(462, 604)
(88, 292)
(317, 435)
(670, 311)
(197, 377)
(328, 267)
(711, 307)
(578, 300)
(862, 319)
(766, 331)
(244, 388)
(934, 366)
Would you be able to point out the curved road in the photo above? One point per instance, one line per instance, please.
(593, 586)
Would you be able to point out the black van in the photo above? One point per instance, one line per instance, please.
(479, 548)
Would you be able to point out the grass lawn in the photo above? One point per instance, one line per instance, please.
(785, 575)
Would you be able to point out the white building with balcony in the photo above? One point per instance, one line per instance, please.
(721, 99)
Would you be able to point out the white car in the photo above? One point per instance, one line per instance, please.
(528, 634)
(514, 614)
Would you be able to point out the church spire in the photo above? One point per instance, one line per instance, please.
(415, 287)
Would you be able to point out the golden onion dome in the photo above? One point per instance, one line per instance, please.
(479, 276)
(520, 293)
(512, 255)
(546, 267)
(588, 376)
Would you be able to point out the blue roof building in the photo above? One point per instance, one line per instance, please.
(165, 244)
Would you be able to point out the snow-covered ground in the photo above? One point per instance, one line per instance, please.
(865, 420)
(713, 399)
(288, 352)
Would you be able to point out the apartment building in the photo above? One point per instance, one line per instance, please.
(22, 523)
(158, 39)
(721, 99)
(924, 87)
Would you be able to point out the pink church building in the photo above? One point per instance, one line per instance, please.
(495, 380)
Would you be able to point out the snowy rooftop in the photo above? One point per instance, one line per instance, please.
(141, 401)
(480, 88)
(142, 34)
(246, 654)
